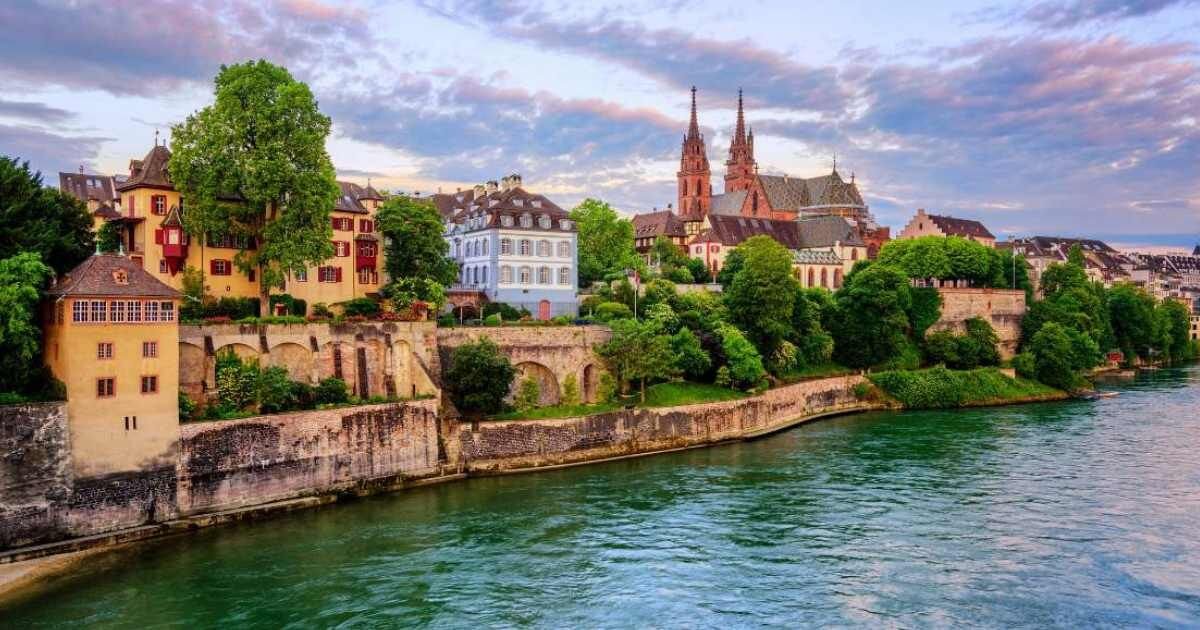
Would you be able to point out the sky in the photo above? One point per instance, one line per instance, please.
(1058, 117)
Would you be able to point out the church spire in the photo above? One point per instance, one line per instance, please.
(694, 125)
(739, 134)
(740, 168)
(695, 191)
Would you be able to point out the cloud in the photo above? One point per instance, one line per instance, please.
(354, 172)
(37, 112)
(133, 47)
(671, 56)
(1077, 12)
(50, 151)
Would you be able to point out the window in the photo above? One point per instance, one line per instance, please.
(106, 387)
(543, 275)
(116, 311)
(525, 275)
(485, 248)
(506, 221)
(564, 224)
(99, 311)
(228, 241)
(151, 311)
(366, 275)
(150, 349)
(158, 204)
(564, 275)
(505, 246)
(166, 311)
(366, 249)
(302, 275)
(543, 248)
(127, 423)
(564, 249)
(79, 311)
(341, 248)
(220, 267)
(523, 247)
(526, 221)
(250, 275)
(366, 226)
(343, 224)
(544, 222)
(133, 311)
(149, 384)
(329, 274)
(162, 266)
(506, 274)
(132, 205)
(104, 350)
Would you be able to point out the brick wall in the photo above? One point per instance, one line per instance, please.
(496, 446)
(1002, 308)
(236, 463)
(35, 471)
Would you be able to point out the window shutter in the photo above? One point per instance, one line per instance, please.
(337, 275)
(212, 267)
(158, 236)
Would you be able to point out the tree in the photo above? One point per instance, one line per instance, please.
(413, 242)
(45, 221)
(743, 363)
(1174, 322)
(528, 394)
(479, 376)
(667, 254)
(605, 242)
(871, 325)
(22, 278)
(1132, 312)
(729, 268)
(761, 295)
(253, 165)
(813, 343)
(699, 270)
(637, 351)
(690, 358)
(108, 237)
(1060, 354)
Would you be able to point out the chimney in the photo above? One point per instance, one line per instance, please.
(506, 183)
(491, 186)
(80, 169)
(479, 188)
(515, 180)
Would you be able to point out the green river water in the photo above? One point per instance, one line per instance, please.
(1079, 514)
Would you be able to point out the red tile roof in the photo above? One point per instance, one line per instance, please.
(110, 275)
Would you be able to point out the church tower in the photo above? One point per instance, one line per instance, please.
(695, 187)
(740, 169)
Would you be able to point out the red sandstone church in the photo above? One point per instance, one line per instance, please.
(751, 194)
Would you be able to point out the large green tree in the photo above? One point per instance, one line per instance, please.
(22, 278)
(638, 351)
(1131, 311)
(871, 323)
(605, 242)
(415, 253)
(253, 165)
(762, 293)
(479, 376)
(43, 220)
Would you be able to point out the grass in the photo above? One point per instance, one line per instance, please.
(661, 395)
(939, 388)
(811, 372)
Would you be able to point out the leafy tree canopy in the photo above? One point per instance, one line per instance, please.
(22, 278)
(479, 376)
(605, 242)
(46, 221)
(761, 295)
(638, 350)
(413, 242)
(871, 325)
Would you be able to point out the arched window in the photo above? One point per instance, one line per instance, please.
(485, 247)
(523, 248)
(543, 248)
(505, 246)
(484, 274)
(475, 275)
(564, 249)
(543, 275)
(824, 277)
(837, 278)
(811, 278)
(506, 274)
(754, 204)
(526, 275)
(853, 253)
(564, 275)
(526, 220)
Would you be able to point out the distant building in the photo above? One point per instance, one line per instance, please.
(97, 192)
(513, 246)
(1102, 263)
(112, 337)
(939, 225)
(648, 227)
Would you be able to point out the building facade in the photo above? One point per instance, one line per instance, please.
(514, 247)
(923, 224)
(111, 336)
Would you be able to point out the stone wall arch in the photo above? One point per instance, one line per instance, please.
(547, 381)
(589, 383)
(193, 369)
(293, 357)
(242, 350)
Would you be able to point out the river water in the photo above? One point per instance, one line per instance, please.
(1079, 514)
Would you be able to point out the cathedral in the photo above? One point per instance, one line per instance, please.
(747, 193)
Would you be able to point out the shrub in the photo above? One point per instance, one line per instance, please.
(1025, 365)
(304, 395)
(723, 379)
(742, 358)
(478, 377)
(606, 388)
(610, 311)
(562, 320)
(231, 307)
(690, 357)
(942, 347)
(362, 307)
(528, 394)
(293, 306)
(570, 390)
(862, 391)
(589, 303)
(939, 388)
(237, 381)
(506, 312)
(332, 391)
(492, 320)
(320, 309)
(447, 321)
(187, 408)
(275, 391)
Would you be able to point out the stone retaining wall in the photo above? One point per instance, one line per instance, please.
(1002, 308)
(511, 445)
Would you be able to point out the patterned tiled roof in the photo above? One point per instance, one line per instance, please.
(105, 275)
(816, 257)
(733, 230)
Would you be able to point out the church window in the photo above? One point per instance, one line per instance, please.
(811, 278)
(825, 278)
(754, 204)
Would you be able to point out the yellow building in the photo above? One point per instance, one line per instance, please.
(112, 337)
(151, 215)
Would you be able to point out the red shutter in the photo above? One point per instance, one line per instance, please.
(335, 222)
(337, 275)
(158, 236)
(212, 267)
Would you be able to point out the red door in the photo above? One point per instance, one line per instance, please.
(544, 310)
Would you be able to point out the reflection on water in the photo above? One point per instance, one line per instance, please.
(1077, 514)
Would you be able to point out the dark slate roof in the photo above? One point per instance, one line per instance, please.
(98, 277)
(85, 187)
(825, 231)
(351, 197)
(106, 212)
(728, 203)
(654, 224)
(151, 171)
(951, 226)
(514, 202)
(732, 230)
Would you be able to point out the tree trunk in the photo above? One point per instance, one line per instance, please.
(643, 390)
(264, 295)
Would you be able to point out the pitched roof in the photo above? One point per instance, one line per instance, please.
(785, 193)
(732, 230)
(794, 193)
(352, 196)
(654, 224)
(85, 187)
(826, 231)
(951, 226)
(106, 212)
(728, 203)
(514, 202)
(110, 275)
(151, 171)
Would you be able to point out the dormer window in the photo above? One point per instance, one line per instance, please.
(536, 203)
(544, 222)
(564, 224)
(506, 221)
(519, 202)
(526, 221)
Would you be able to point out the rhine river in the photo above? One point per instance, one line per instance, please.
(1080, 514)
